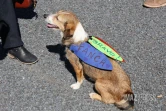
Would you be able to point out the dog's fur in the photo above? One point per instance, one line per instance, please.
(112, 87)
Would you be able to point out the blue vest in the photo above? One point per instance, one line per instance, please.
(91, 56)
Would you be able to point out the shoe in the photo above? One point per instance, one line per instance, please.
(23, 55)
(154, 3)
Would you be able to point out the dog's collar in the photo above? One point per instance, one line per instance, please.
(88, 54)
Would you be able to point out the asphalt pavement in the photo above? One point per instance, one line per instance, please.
(136, 32)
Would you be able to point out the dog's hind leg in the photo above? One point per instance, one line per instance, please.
(103, 95)
(74, 61)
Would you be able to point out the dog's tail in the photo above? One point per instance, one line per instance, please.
(127, 101)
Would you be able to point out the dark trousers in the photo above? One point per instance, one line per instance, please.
(9, 28)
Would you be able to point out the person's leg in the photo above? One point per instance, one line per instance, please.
(10, 34)
(154, 3)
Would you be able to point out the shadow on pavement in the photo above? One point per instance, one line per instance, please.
(59, 49)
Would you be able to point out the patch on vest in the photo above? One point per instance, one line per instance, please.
(105, 48)
(88, 54)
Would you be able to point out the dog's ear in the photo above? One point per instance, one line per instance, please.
(59, 24)
(69, 29)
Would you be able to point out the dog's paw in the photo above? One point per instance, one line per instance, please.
(91, 95)
(76, 85)
(95, 96)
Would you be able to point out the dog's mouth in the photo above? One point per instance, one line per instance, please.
(52, 26)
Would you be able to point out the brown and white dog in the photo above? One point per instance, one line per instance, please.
(113, 87)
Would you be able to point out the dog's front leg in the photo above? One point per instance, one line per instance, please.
(74, 60)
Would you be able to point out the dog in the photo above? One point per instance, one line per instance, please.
(113, 87)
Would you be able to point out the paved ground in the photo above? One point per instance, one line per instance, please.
(138, 33)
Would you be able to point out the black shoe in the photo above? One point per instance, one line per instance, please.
(23, 55)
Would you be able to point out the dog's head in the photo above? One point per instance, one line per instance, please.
(68, 23)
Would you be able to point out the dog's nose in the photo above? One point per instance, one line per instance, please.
(45, 15)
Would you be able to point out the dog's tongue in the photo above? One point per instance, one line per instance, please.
(51, 26)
